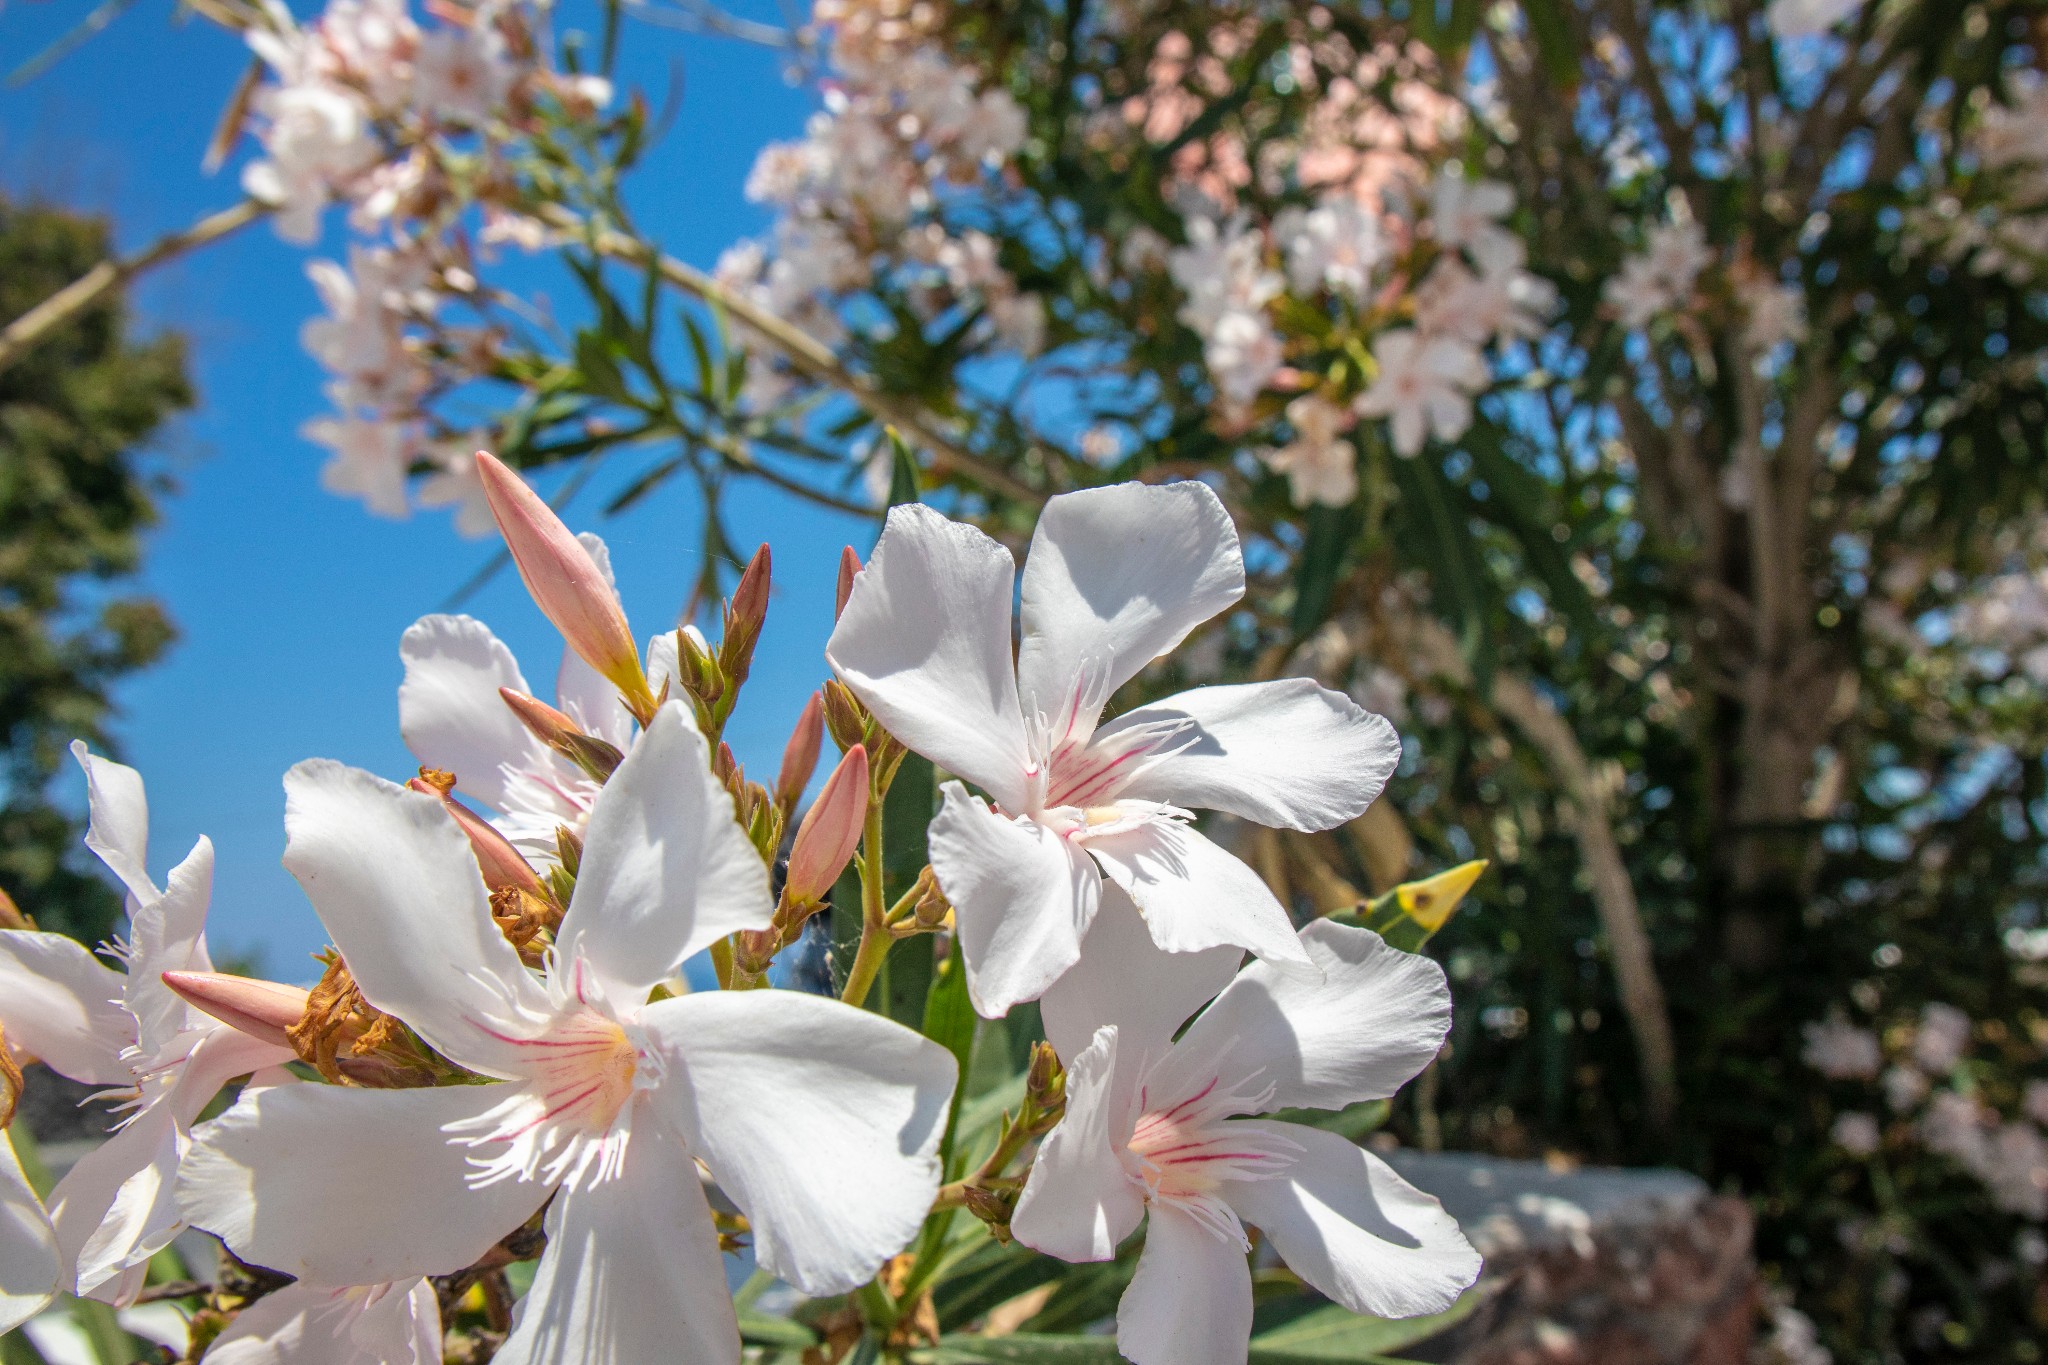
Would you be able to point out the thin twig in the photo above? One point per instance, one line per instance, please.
(175, 1289)
(21, 335)
(817, 361)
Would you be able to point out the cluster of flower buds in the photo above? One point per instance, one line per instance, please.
(988, 1193)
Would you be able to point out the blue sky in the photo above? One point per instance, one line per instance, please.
(290, 601)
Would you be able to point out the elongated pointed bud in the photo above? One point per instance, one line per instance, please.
(503, 865)
(12, 918)
(800, 755)
(744, 616)
(261, 1009)
(565, 582)
(830, 832)
(560, 734)
(547, 725)
(849, 565)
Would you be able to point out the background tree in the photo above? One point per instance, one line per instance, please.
(77, 492)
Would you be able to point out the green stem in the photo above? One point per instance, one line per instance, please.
(876, 1307)
(875, 939)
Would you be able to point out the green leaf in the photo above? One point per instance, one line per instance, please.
(1330, 532)
(110, 1341)
(1353, 1122)
(902, 471)
(907, 811)
(1554, 44)
(15, 1349)
(1335, 1333)
(949, 1022)
(1434, 534)
(701, 350)
(765, 1329)
(1027, 1349)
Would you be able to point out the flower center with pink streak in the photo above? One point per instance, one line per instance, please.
(563, 1120)
(1184, 1154)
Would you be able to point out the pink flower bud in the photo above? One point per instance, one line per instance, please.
(849, 565)
(744, 616)
(261, 1009)
(830, 832)
(564, 580)
(501, 864)
(800, 755)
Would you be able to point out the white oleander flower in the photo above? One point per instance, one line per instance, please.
(820, 1121)
(1116, 578)
(1169, 1131)
(1424, 387)
(1320, 465)
(127, 1031)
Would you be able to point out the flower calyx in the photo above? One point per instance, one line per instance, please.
(994, 1206)
(850, 723)
(350, 1042)
(923, 909)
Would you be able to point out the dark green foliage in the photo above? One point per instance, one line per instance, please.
(76, 495)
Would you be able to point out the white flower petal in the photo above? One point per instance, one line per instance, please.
(924, 642)
(61, 1004)
(396, 883)
(1194, 894)
(344, 1186)
(169, 935)
(664, 670)
(115, 1199)
(1343, 1221)
(821, 1121)
(114, 1210)
(1116, 577)
(1125, 979)
(307, 1324)
(590, 699)
(666, 868)
(450, 712)
(632, 1273)
(119, 824)
(1022, 896)
(1288, 754)
(1376, 1019)
(583, 693)
(29, 1263)
(1079, 1201)
(1190, 1302)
